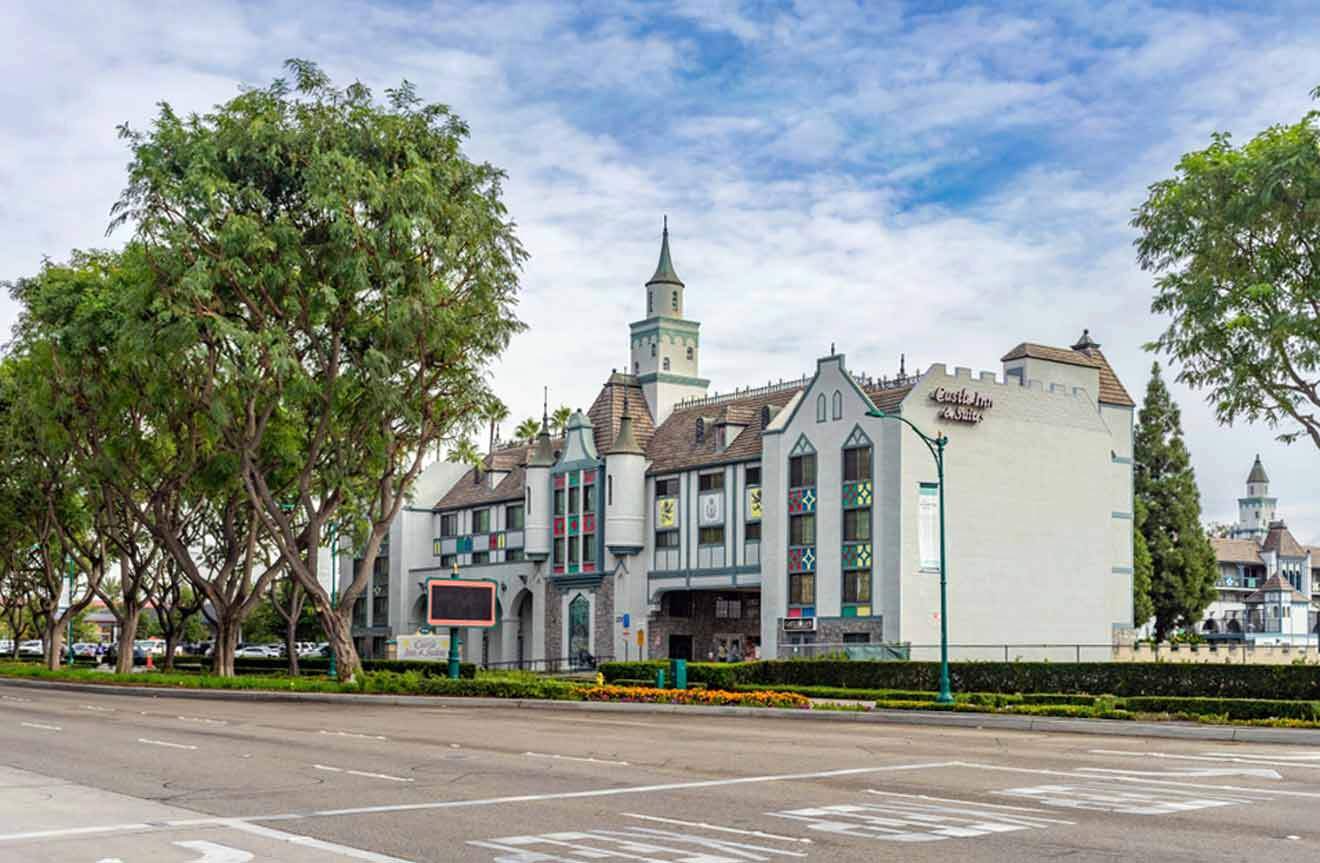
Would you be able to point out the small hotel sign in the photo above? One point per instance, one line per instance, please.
(961, 406)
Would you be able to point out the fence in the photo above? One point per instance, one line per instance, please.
(565, 664)
(957, 652)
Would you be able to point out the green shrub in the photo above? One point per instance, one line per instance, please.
(1236, 709)
(1064, 678)
(321, 665)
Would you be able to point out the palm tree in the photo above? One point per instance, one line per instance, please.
(559, 419)
(465, 452)
(527, 430)
(494, 412)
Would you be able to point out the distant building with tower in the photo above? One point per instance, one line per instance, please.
(672, 521)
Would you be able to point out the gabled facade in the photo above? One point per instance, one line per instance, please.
(786, 519)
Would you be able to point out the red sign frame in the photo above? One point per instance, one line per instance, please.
(464, 584)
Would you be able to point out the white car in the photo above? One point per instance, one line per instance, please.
(31, 648)
(6, 646)
(255, 651)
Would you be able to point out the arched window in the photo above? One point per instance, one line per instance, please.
(529, 500)
(579, 630)
(675, 300)
(637, 367)
(701, 429)
(820, 408)
(665, 363)
(652, 349)
(838, 405)
(650, 301)
(689, 354)
(765, 416)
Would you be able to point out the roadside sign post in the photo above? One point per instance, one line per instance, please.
(456, 603)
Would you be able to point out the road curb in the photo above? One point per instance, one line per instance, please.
(998, 721)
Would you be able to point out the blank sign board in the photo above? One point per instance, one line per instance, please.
(455, 602)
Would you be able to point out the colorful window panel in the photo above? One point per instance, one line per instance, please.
(559, 480)
(802, 558)
(588, 522)
(857, 494)
(857, 556)
(559, 525)
(801, 500)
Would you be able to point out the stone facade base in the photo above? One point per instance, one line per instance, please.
(688, 622)
(1226, 653)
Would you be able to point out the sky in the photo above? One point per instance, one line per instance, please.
(940, 180)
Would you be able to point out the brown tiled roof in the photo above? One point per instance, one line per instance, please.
(1111, 392)
(675, 445)
(1275, 583)
(1236, 550)
(607, 410)
(1281, 540)
(467, 492)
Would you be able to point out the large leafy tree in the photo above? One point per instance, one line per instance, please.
(1234, 240)
(348, 276)
(1182, 562)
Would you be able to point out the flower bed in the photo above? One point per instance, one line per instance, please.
(651, 695)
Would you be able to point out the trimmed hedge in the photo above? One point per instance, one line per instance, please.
(318, 665)
(1308, 711)
(1292, 682)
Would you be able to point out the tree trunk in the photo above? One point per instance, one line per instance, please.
(339, 632)
(54, 643)
(171, 644)
(226, 642)
(291, 645)
(128, 627)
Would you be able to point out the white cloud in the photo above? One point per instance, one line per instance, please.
(942, 185)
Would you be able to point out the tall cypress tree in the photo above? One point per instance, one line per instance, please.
(1182, 560)
(1142, 567)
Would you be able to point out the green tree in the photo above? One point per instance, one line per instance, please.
(348, 276)
(527, 430)
(1142, 567)
(1182, 560)
(559, 420)
(1234, 240)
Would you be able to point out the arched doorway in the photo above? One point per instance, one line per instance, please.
(523, 605)
(1210, 626)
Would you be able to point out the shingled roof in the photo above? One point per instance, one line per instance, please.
(1281, 541)
(1274, 584)
(607, 410)
(475, 491)
(1236, 550)
(1086, 353)
(675, 446)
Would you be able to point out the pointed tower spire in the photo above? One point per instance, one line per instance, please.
(543, 455)
(664, 270)
(1257, 474)
(625, 443)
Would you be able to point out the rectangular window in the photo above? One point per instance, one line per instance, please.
(588, 548)
(857, 586)
(802, 470)
(856, 464)
(752, 531)
(513, 517)
(448, 560)
(928, 536)
(481, 521)
(573, 550)
(728, 608)
(667, 487)
(588, 498)
(711, 535)
(802, 529)
(573, 500)
(449, 524)
(802, 589)
(559, 501)
(513, 554)
(666, 539)
(856, 525)
(609, 490)
(480, 557)
(710, 481)
(754, 475)
(857, 638)
(559, 551)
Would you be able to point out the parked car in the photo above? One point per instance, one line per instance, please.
(255, 651)
(6, 646)
(31, 648)
(85, 649)
(112, 654)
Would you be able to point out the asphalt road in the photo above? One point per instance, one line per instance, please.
(125, 779)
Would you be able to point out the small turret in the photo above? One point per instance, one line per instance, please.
(536, 495)
(625, 491)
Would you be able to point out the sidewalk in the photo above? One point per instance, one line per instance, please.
(1003, 722)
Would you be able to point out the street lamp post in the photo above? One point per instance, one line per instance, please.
(936, 446)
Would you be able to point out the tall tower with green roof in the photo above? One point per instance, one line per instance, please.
(665, 347)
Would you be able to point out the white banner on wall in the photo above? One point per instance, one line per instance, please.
(711, 508)
(928, 526)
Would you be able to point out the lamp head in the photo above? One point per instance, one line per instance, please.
(877, 413)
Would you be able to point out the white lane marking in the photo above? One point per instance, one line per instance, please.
(978, 804)
(213, 853)
(309, 842)
(16, 698)
(628, 789)
(203, 719)
(1190, 773)
(165, 743)
(912, 821)
(1267, 792)
(98, 709)
(1234, 759)
(351, 734)
(73, 831)
(40, 725)
(575, 758)
(1270, 756)
(716, 828)
(362, 773)
(1124, 801)
(628, 844)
